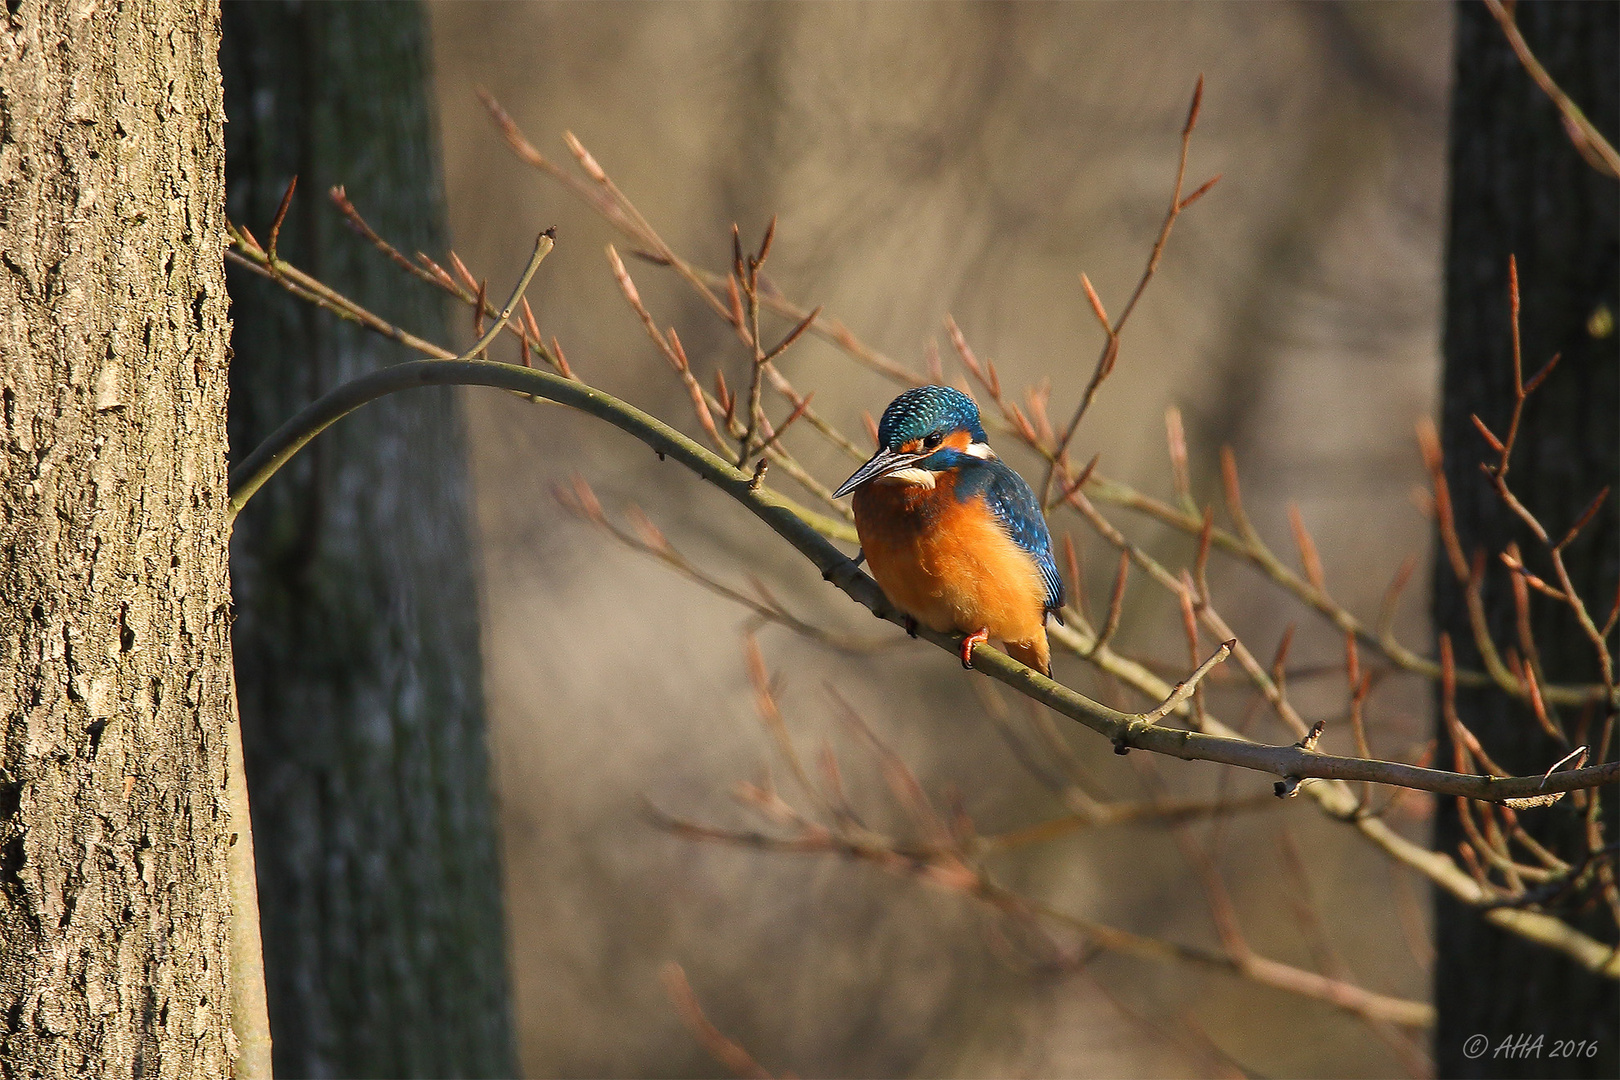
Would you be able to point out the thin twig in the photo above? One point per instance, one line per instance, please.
(580, 500)
(1588, 140)
(727, 1052)
(1112, 331)
(1185, 688)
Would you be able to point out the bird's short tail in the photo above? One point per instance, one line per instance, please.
(1035, 652)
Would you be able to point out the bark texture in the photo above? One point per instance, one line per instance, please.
(114, 621)
(357, 630)
(1518, 186)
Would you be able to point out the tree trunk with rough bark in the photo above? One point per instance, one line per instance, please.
(1519, 187)
(115, 675)
(357, 618)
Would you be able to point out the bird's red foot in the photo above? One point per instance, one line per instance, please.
(978, 637)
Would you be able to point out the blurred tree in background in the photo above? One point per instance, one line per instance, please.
(357, 653)
(1520, 188)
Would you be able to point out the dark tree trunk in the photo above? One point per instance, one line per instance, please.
(114, 600)
(1519, 187)
(358, 671)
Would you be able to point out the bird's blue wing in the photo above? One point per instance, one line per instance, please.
(1019, 511)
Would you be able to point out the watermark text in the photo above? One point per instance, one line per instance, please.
(1526, 1046)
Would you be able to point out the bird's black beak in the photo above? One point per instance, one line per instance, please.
(883, 462)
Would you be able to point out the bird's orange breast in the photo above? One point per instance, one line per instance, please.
(948, 563)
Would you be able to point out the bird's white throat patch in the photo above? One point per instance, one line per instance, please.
(920, 477)
(925, 478)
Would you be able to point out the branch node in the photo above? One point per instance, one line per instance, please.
(1308, 743)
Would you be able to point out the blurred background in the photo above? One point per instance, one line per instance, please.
(925, 160)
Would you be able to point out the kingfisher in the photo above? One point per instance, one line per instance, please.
(955, 537)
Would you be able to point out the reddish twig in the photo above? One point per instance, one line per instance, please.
(1112, 330)
(727, 1052)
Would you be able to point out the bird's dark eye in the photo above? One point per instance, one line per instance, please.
(933, 441)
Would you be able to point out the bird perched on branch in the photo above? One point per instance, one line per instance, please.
(954, 537)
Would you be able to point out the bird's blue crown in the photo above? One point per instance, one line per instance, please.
(926, 410)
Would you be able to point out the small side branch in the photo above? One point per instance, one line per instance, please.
(1588, 140)
(1184, 689)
